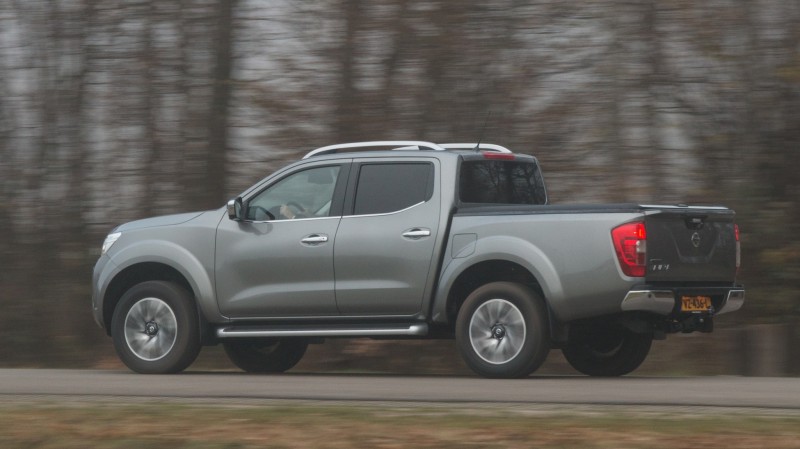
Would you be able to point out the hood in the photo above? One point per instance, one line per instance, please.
(166, 220)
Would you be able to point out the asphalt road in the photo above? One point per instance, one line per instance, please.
(70, 385)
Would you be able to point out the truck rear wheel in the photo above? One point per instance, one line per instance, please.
(267, 355)
(502, 332)
(155, 328)
(608, 351)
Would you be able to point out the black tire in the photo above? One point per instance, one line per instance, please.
(606, 351)
(155, 328)
(502, 330)
(266, 355)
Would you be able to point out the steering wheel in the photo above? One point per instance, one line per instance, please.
(296, 205)
(301, 211)
(264, 211)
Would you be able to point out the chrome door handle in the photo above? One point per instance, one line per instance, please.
(314, 239)
(417, 233)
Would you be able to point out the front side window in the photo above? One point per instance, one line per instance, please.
(390, 187)
(501, 182)
(305, 194)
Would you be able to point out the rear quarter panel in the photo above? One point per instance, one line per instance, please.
(570, 254)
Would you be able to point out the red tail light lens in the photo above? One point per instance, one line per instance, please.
(630, 243)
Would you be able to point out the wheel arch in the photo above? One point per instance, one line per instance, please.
(497, 258)
(135, 274)
(158, 260)
(482, 273)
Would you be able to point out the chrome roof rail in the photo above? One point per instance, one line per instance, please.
(401, 144)
(473, 146)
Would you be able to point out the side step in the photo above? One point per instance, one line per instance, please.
(399, 330)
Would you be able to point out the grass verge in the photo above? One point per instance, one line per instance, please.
(108, 425)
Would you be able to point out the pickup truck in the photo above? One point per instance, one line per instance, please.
(415, 240)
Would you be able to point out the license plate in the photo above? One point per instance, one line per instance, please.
(695, 303)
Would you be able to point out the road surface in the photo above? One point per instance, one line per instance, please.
(70, 385)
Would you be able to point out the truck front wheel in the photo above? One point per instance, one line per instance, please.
(155, 328)
(501, 330)
(611, 350)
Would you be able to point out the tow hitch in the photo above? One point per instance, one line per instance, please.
(693, 323)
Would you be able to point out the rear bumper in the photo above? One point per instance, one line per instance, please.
(665, 301)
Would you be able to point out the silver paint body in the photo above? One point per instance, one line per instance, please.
(398, 266)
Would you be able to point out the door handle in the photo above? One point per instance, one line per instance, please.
(314, 239)
(416, 233)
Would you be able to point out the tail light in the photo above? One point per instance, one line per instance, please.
(738, 248)
(630, 243)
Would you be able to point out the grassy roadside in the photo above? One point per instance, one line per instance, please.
(106, 425)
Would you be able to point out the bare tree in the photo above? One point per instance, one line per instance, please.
(216, 157)
(113, 110)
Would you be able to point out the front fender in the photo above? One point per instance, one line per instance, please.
(177, 257)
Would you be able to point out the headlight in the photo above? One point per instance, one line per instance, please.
(110, 239)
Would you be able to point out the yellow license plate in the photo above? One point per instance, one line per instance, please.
(695, 303)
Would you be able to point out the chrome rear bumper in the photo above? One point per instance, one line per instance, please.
(662, 302)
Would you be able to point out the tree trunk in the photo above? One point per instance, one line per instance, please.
(216, 157)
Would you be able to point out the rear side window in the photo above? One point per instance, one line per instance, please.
(384, 188)
(501, 182)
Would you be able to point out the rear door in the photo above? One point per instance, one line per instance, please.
(691, 245)
(385, 241)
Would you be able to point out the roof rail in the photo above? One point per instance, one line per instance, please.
(475, 146)
(402, 144)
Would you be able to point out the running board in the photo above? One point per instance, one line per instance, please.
(398, 330)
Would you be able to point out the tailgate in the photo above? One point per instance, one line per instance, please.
(691, 244)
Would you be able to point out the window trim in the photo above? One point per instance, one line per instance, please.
(382, 214)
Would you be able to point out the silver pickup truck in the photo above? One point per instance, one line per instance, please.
(410, 239)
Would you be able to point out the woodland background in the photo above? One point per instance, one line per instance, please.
(113, 110)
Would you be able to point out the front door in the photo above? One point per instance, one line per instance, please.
(279, 260)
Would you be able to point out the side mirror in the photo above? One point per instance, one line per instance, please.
(235, 209)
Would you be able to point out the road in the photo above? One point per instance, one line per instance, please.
(70, 385)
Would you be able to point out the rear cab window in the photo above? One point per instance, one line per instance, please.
(491, 181)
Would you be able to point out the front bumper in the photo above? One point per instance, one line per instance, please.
(102, 274)
(665, 300)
